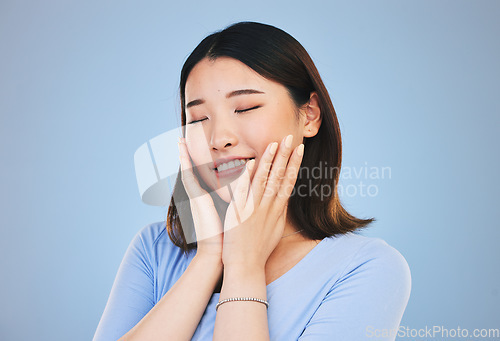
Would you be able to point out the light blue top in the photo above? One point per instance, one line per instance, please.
(348, 287)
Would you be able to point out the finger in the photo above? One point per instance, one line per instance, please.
(278, 170)
(289, 180)
(239, 190)
(283, 215)
(250, 206)
(191, 184)
(262, 172)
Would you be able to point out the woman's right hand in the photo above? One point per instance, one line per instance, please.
(207, 223)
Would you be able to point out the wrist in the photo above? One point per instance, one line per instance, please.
(244, 274)
(244, 266)
(243, 269)
(210, 261)
(243, 282)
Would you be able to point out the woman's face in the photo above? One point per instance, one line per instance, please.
(232, 114)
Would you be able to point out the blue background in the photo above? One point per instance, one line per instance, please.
(83, 85)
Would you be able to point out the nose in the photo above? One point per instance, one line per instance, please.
(223, 136)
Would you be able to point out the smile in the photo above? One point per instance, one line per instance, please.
(232, 164)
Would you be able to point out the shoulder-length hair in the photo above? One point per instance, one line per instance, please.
(277, 56)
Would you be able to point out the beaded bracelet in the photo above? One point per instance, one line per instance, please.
(242, 299)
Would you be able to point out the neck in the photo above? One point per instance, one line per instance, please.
(290, 231)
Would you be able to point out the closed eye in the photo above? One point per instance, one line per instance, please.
(245, 110)
(196, 121)
(237, 111)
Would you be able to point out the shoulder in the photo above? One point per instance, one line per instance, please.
(358, 248)
(164, 260)
(376, 248)
(148, 236)
(153, 241)
(368, 287)
(371, 259)
(152, 232)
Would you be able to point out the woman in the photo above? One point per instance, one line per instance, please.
(256, 247)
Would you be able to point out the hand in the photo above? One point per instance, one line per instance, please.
(256, 216)
(207, 223)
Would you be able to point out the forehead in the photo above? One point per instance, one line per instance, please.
(223, 75)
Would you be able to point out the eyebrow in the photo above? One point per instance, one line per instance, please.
(229, 95)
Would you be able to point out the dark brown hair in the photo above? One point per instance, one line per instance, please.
(277, 56)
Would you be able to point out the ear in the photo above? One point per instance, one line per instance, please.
(312, 116)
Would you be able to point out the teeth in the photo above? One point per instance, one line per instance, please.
(231, 164)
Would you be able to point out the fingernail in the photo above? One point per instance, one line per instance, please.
(288, 141)
(250, 164)
(273, 148)
(300, 149)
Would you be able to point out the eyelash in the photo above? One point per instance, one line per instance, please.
(237, 111)
(245, 110)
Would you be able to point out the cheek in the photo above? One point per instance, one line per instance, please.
(261, 133)
(275, 120)
(197, 146)
(270, 127)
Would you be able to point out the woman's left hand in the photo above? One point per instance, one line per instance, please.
(256, 216)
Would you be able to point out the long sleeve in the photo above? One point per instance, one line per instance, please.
(132, 294)
(367, 302)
